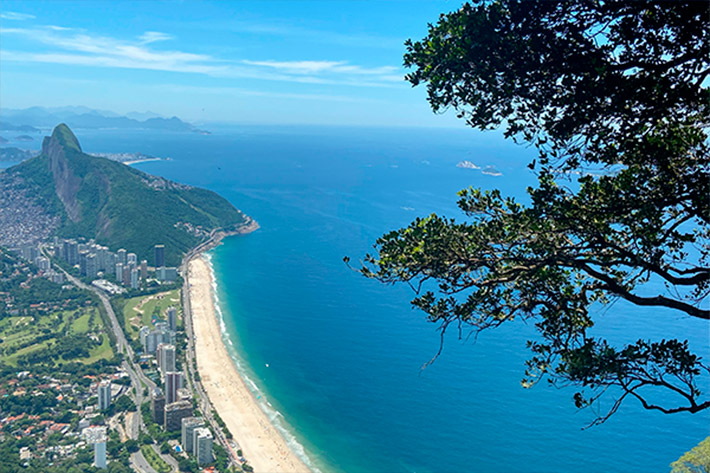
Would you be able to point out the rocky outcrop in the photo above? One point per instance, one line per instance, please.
(66, 184)
(117, 205)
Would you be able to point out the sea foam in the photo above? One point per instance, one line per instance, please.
(275, 417)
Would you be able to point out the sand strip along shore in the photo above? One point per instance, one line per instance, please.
(261, 442)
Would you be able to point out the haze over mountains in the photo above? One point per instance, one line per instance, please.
(33, 118)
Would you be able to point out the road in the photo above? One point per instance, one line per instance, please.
(140, 464)
(129, 366)
(122, 346)
(190, 360)
(136, 374)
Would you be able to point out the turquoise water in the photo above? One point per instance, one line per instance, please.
(344, 353)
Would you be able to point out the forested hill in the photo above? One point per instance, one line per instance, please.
(119, 206)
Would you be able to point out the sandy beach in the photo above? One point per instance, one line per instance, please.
(261, 442)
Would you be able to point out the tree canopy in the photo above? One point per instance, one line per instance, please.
(696, 460)
(613, 95)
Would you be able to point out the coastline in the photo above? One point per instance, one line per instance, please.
(147, 160)
(262, 444)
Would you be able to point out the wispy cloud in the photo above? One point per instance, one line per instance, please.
(316, 67)
(76, 47)
(92, 50)
(153, 36)
(12, 15)
(240, 92)
(108, 61)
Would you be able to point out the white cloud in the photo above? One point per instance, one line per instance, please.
(11, 15)
(297, 67)
(315, 67)
(108, 52)
(108, 61)
(153, 36)
(75, 47)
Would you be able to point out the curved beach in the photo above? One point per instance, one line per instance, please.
(262, 444)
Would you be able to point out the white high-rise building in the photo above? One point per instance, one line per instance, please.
(189, 424)
(100, 454)
(104, 392)
(153, 338)
(134, 278)
(97, 437)
(122, 256)
(172, 318)
(202, 445)
(166, 357)
(143, 333)
(43, 263)
(132, 259)
(119, 272)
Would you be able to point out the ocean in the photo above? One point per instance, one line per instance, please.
(336, 359)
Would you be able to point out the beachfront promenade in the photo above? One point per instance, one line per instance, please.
(211, 373)
(220, 386)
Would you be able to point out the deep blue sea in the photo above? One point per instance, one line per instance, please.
(338, 357)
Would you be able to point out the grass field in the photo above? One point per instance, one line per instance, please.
(154, 459)
(146, 310)
(23, 335)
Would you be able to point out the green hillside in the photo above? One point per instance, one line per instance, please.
(120, 206)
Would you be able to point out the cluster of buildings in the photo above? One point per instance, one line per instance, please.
(96, 260)
(172, 407)
(32, 254)
(22, 220)
(196, 439)
(77, 397)
(163, 333)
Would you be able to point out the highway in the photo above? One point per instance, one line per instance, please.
(136, 374)
(140, 464)
(190, 360)
(134, 371)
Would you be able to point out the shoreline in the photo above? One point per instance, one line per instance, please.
(137, 161)
(262, 444)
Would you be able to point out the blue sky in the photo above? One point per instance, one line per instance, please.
(245, 62)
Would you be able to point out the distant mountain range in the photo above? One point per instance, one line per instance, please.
(13, 154)
(119, 206)
(28, 120)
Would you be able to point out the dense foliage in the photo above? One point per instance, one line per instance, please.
(123, 207)
(613, 94)
(696, 460)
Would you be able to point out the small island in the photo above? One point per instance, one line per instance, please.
(491, 171)
(467, 165)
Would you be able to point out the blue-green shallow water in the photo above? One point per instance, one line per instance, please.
(344, 353)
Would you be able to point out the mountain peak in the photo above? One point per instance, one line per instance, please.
(65, 137)
(120, 207)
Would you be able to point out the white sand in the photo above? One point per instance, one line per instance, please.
(262, 444)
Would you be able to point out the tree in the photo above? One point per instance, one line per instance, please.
(696, 460)
(613, 95)
(164, 448)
